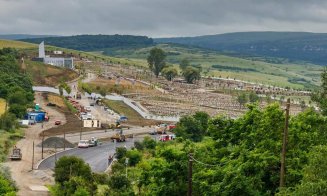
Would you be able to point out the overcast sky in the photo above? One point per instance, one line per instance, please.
(160, 18)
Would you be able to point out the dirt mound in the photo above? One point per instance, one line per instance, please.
(58, 142)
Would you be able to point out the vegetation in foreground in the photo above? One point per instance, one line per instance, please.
(230, 157)
(16, 90)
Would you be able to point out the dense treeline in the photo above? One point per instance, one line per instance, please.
(94, 42)
(15, 88)
(230, 157)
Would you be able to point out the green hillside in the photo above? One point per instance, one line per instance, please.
(213, 63)
(294, 46)
(94, 42)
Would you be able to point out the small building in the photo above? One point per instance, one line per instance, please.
(67, 62)
(35, 117)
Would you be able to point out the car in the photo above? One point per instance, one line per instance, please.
(123, 119)
(51, 104)
(93, 142)
(92, 104)
(83, 144)
(57, 122)
(153, 132)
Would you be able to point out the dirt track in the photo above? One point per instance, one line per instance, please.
(22, 170)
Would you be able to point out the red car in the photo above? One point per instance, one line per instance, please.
(57, 122)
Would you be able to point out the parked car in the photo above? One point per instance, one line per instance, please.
(92, 104)
(57, 122)
(93, 142)
(153, 132)
(51, 104)
(83, 144)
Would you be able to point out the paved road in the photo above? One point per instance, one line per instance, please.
(96, 157)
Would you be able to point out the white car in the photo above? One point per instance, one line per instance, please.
(83, 144)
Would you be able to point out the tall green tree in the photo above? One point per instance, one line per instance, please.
(242, 99)
(156, 60)
(320, 95)
(191, 74)
(169, 72)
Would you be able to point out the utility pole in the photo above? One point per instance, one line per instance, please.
(80, 133)
(56, 152)
(283, 155)
(190, 162)
(64, 140)
(33, 157)
(42, 142)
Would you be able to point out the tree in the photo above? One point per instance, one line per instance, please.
(156, 60)
(320, 96)
(191, 74)
(192, 127)
(170, 73)
(69, 166)
(253, 97)
(242, 99)
(184, 63)
(314, 180)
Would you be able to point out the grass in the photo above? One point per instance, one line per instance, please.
(256, 69)
(2, 106)
(134, 118)
(16, 44)
(124, 87)
(47, 75)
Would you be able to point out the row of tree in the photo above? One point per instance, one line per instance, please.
(15, 88)
(157, 64)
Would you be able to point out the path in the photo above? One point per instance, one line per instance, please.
(22, 173)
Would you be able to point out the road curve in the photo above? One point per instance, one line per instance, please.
(96, 157)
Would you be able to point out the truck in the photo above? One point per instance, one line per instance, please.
(16, 154)
(118, 137)
(164, 138)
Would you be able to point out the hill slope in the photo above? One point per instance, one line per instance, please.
(296, 46)
(216, 64)
(15, 44)
(94, 42)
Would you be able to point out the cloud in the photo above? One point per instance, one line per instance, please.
(157, 18)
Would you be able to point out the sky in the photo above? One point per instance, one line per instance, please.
(160, 18)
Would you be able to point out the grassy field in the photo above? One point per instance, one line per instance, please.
(2, 106)
(48, 75)
(133, 117)
(16, 44)
(256, 70)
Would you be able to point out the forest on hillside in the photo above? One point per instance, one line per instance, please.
(94, 42)
(294, 46)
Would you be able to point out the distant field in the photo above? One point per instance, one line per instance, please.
(281, 74)
(2, 106)
(16, 44)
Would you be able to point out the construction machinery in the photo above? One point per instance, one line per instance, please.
(16, 154)
(118, 137)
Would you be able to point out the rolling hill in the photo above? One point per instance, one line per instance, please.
(213, 63)
(294, 46)
(94, 42)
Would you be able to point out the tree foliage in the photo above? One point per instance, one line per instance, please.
(169, 73)
(156, 60)
(191, 74)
